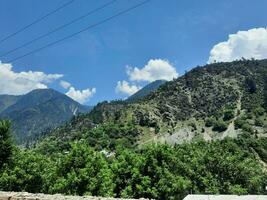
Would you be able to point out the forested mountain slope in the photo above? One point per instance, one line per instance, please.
(209, 102)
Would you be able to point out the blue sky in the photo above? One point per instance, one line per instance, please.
(183, 32)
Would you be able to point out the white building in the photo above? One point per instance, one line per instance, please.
(226, 197)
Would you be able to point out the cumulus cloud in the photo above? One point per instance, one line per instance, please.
(155, 69)
(17, 83)
(81, 96)
(65, 84)
(125, 88)
(247, 44)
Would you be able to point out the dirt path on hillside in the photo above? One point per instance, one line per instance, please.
(231, 132)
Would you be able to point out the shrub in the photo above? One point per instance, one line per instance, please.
(228, 114)
(209, 122)
(237, 189)
(259, 111)
(239, 123)
(259, 122)
(249, 115)
(193, 125)
(244, 125)
(247, 127)
(251, 85)
(219, 126)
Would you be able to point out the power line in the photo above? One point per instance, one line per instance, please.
(82, 30)
(58, 28)
(36, 21)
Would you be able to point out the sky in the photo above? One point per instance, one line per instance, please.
(159, 40)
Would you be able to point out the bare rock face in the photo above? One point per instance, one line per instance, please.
(29, 196)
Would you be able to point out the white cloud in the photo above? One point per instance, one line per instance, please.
(81, 96)
(65, 84)
(155, 69)
(246, 44)
(17, 83)
(125, 88)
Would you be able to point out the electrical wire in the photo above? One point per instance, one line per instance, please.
(36, 21)
(82, 30)
(58, 28)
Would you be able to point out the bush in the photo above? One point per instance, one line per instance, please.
(209, 122)
(219, 126)
(244, 125)
(251, 85)
(259, 111)
(259, 122)
(228, 114)
(249, 115)
(193, 125)
(239, 123)
(247, 127)
(237, 189)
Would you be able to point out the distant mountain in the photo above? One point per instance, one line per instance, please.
(37, 111)
(7, 100)
(151, 87)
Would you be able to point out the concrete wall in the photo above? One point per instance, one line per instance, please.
(29, 196)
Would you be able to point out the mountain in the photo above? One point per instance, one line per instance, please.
(7, 100)
(37, 111)
(210, 102)
(151, 87)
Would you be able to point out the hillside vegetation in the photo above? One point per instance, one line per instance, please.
(209, 102)
(203, 133)
(229, 166)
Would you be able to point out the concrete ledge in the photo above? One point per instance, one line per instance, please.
(29, 196)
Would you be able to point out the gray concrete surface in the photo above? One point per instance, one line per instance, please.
(29, 196)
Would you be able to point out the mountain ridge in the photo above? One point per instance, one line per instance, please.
(146, 90)
(39, 110)
(7, 100)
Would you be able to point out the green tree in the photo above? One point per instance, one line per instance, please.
(30, 172)
(6, 145)
(219, 126)
(83, 171)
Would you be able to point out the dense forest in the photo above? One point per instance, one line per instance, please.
(229, 166)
